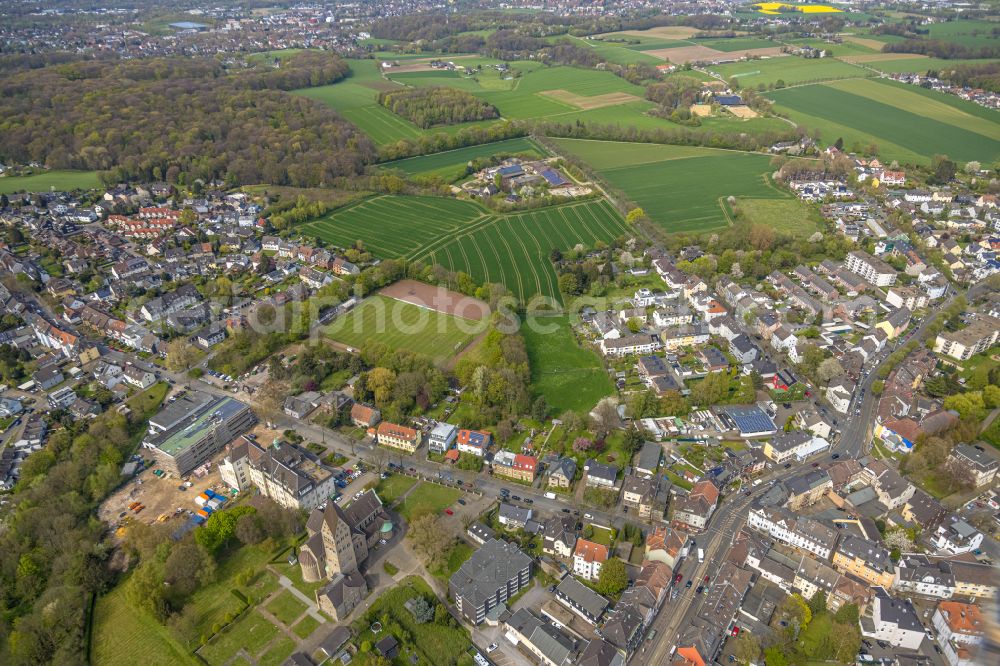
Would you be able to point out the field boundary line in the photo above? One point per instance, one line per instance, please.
(473, 226)
(453, 150)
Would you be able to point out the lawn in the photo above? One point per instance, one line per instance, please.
(791, 70)
(279, 651)
(304, 627)
(433, 643)
(49, 180)
(681, 188)
(123, 636)
(391, 489)
(906, 123)
(601, 536)
(428, 498)
(402, 325)
(451, 164)
(286, 608)
(566, 374)
(786, 216)
(252, 633)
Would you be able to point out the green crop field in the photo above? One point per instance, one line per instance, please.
(511, 249)
(514, 249)
(921, 65)
(569, 376)
(735, 44)
(681, 188)
(391, 226)
(401, 325)
(787, 216)
(966, 33)
(48, 180)
(790, 69)
(450, 164)
(905, 122)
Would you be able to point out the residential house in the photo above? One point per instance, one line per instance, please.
(865, 559)
(665, 544)
(955, 536)
(600, 475)
(894, 621)
(694, 511)
(515, 466)
(588, 557)
(397, 436)
(473, 441)
(647, 495)
(442, 438)
(137, 377)
(562, 472)
(802, 533)
(961, 629)
(513, 517)
(581, 599)
(364, 416)
(559, 536)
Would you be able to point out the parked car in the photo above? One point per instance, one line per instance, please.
(735, 631)
(462, 502)
(449, 512)
(492, 647)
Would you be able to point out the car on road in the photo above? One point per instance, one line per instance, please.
(936, 648)
(815, 464)
(528, 500)
(706, 580)
(449, 512)
(462, 502)
(835, 456)
(588, 516)
(787, 465)
(688, 584)
(701, 588)
(678, 578)
(492, 647)
(515, 498)
(565, 510)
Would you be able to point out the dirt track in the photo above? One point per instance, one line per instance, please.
(438, 299)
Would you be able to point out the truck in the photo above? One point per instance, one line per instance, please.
(550, 495)
(701, 555)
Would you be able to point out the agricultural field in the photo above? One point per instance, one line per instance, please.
(392, 226)
(568, 375)
(355, 99)
(966, 33)
(897, 63)
(905, 122)
(123, 637)
(792, 70)
(50, 180)
(514, 249)
(511, 249)
(402, 325)
(450, 165)
(786, 216)
(681, 188)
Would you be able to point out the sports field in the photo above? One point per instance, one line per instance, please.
(392, 226)
(511, 249)
(514, 249)
(48, 180)
(569, 376)
(451, 164)
(681, 188)
(905, 122)
(405, 326)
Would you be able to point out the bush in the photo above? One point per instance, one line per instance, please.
(390, 568)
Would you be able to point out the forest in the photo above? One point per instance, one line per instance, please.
(437, 105)
(985, 75)
(182, 120)
(938, 48)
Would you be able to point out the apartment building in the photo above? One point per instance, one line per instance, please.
(872, 269)
(803, 533)
(515, 466)
(865, 559)
(974, 339)
(494, 574)
(291, 476)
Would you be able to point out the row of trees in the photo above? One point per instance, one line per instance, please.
(939, 48)
(436, 105)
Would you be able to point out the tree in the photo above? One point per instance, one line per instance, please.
(944, 169)
(747, 649)
(378, 458)
(422, 611)
(427, 537)
(381, 382)
(829, 369)
(613, 578)
(817, 603)
(187, 568)
(540, 408)
(635, 215)
(847, 614)
(249, 530)
(181, 354)
(795, 608)
(505, 430)
(633, 441)
(775, 656)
